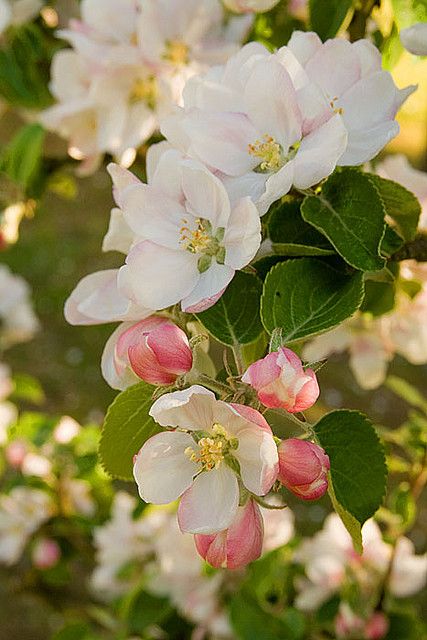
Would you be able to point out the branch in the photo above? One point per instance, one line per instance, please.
(414, 250)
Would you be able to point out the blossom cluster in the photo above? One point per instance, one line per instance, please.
(128, 63)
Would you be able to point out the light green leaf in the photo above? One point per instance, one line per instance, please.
(407, 392)
(327, 16)
(234, 319)
(379, 297)
(21, 160)
(350, 213)
(400, 204)
(127, 426)
(352, 525)
(358, 469)
(305, 297)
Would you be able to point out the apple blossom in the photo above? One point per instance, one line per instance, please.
(154, 350)
(246, 6)
(237, 545)
(281, 381)
(414, 38)
(278, 526)
(362, 92)
(22, 511)
(201, 461)
(15, 453)
(303, 468)
(347, 623)
(261, 149)
(19, 322)
(46, 554)
(186, 225)
(66, 430)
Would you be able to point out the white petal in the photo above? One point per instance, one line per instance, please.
(277, 185)
(205, 194)
(189, 409)
(243, 235)
(96, 299)
(304, 45)
(119, 236)
(319, 153)
(335, 78)
(211, 282)
(154, 153)
(365, 144)
(258, 458)
(250, 185)
(111, 375)
(122, 179)
(158, 277)
(279, 115)
(162, 470)
(210, 504)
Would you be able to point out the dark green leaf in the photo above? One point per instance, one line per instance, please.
(235, 319)
(327, 16)
(144, 610)
(391, 242)
(379, 297)
(127, 426)
(251, 622)
(350, 213)
(400, 204)
(305, 297)
(358, 468)
(21, 160)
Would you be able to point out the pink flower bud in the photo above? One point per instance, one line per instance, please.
(347, 623)
(238, 545)
(46, 554)
(377, 627)
(303, 468)
(15, 453)
(156, 349)
(282, 383)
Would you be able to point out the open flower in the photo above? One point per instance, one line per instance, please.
(261, 149)
(282, 382)
(303, 468)
(187, 227)
(213, 444)
(238, 545)
(154, 350)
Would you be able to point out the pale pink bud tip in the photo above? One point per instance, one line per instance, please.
(46, 554)
(377, 627)
(303, 468)
(282, 383)
(238, 545)
(158, 351)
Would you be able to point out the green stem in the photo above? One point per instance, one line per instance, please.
(238, 357)
(267, 505)
(414, 250)
(213, 385)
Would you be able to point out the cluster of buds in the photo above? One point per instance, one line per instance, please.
(219, 458)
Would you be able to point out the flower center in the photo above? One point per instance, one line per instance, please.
(177, 52)
(212, 448)
(269, 152)
(144, 90)
(202, 241)
(335, 109)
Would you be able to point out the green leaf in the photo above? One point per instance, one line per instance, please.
(379, 297)
(143, 610)
(234, 319)
(352, 525)
(400, 204)
(73, 631)
(251, 622)
(299, 250)
(358, 469)
(391, 242)
(405, 626)
(21, 160)
(327, 16)
(305, 297)
(127, 426)
(350, 213)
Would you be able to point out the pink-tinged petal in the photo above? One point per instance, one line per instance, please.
(145, 365)
(250, 185)
(122, 179)
(258, 459)
(205, 194)
(162, 471)
(153, 216)
(137, 332)
(167, 176)
(319, 153)
(243, 235)
(96, 299)
(211, 284)
(262, 372)
(304, 45)
(191, 408)
(238, 545)
(160, 286)
(210, 504)
(279, 116)
(377, 627)
(303, 468)
(345, 74)
(365, 144)
(251, 415)
(118, 377)
(221, 140)
(154, 154)
(171, 347)
(308, 393)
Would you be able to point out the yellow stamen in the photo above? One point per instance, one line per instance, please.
(177, 52)
(144, 90)
(194, 240)
(268, 151)
(335, 109)
(210, 453)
